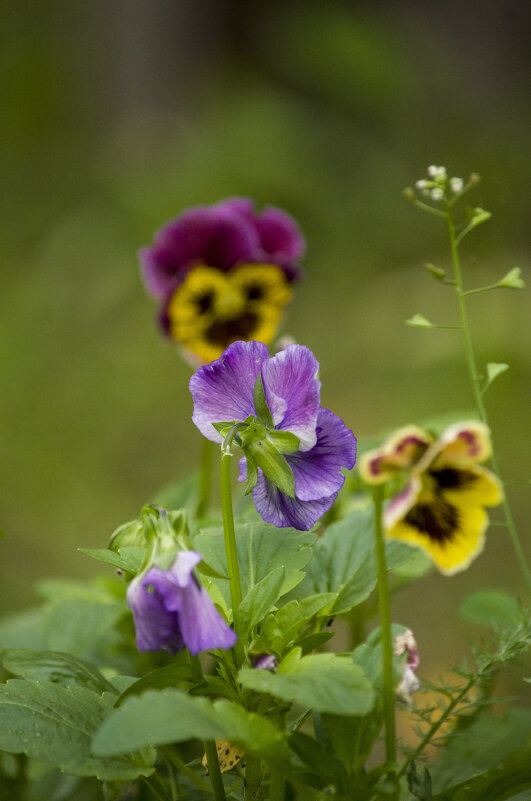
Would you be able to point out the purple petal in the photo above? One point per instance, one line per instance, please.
(293, 392)
(280, 236)
(318, 471)
(223, 390)
(183, 567)
(202, 626)
(217, 236)
(281, 510)
(157, 628)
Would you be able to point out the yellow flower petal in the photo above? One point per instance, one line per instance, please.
(211, 309)
(480, 487)
(464, 443)
(463, 540)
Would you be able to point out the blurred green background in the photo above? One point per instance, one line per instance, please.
(119, 114)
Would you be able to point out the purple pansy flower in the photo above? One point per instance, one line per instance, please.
(286, 436)
(221, 236)
(172, 611)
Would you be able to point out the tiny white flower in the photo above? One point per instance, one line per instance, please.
(432, 171)
(437, 193)
(421, 184)
(456, 184)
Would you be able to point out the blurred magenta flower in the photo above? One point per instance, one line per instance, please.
(294, 450)
(172, 611)
(222, 273)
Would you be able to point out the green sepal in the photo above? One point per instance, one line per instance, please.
(224, 427)
(252, 475)
(260, 403)
(285, 441)
(256, 444)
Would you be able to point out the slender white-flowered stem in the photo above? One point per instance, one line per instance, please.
(475, 378)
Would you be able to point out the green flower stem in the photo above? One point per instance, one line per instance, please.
(210, 745)
(384, 603)
(230, 536)
(476, 380)
(253, 778)
(205, 477)
(277, 786)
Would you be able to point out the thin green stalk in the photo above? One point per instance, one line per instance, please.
(210, 745)
(434, 728)
(253, 778)
(205, 477)
(277, 786)
(473, 372)
(230, 536)
(384, 603)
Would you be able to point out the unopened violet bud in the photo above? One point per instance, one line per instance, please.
(265, 662)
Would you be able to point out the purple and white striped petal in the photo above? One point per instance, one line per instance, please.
(293, 392)
(223, 390)
(318, 471)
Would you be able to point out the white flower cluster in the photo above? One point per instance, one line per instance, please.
(436, 185)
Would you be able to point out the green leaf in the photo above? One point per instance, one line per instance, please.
(280, 628)
(351, 738)
(318, 760)
(491, 608)
(266, 456)
(260, 403)
(224, 428)
(493, 371)
(128, 558)
(55, 667)
(323, 682)
(258, 601)
(23, 630)
(166, 676)
(56, 724)
(252, 475)
(437, 272)
(170, 716)
(344, 561)
(419, 786)
(502, 741)
(261, 548)
(77, 626)
(419, 321)
(513, 279)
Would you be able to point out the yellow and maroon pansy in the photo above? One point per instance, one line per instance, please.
(442, 508)
(399, 452)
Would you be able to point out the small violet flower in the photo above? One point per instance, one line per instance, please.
(223, 273)
(441, 508)
(293, 448)
(172, 611)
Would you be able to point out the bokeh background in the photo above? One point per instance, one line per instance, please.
(119, 114)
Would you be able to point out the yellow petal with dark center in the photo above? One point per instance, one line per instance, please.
(211, 309)
(464, 534)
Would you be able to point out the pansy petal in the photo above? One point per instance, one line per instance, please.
(182, 568)
(278, 508)
(215, 236)
(463, 443)
(223, 390)
(318, 471)
(400, 505)
(400, 451)
(473, 485)
(157, 628)
(293, 392)
(453, 553)
(202, 626)
(280, 236)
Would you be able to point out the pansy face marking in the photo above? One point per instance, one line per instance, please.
(222, 273)
(211, 309)
(442, 508)
(294, 450)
